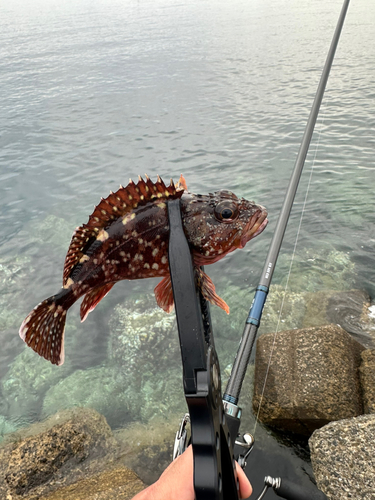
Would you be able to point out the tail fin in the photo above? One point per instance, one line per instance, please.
(43, 329)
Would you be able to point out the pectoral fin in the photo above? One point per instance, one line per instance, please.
(207, 288)
(164, 294)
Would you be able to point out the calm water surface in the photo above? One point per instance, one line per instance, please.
(93, 93)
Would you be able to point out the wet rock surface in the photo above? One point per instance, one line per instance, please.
(367, 377)
(312, 380)
(69, 447)
(343, 459)
(120, 483)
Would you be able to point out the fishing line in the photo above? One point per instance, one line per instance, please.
(289, 273)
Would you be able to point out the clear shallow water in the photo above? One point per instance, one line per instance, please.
(94, 93)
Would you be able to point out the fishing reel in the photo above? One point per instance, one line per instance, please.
(283, 487)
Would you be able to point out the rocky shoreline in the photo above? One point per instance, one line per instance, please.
(107, 431)
(321, 384)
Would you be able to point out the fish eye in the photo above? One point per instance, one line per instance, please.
(226, 211)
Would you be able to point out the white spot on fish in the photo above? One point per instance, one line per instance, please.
(155, 266)
(155, 252)
(69, 283)
(127, 218)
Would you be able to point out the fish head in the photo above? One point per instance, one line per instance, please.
(219, 223)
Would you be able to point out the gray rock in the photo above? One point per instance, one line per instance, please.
(367, 377)
(343, 458)
(312, 378)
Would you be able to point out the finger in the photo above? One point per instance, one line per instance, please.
(245, 486)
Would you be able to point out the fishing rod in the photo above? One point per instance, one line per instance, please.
(215, 420)
(233, 389)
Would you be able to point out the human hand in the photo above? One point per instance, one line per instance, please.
(177, 481)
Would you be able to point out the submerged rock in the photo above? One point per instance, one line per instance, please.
(314, 270)
(6, 427)
(143, 338)
(25, 385)
(99, 388)
(312, 379)
(343, 459)
(54, 231)
(14, 277)
(144, 349)
(147, 448)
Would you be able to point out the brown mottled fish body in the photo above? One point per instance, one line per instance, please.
(126, 237)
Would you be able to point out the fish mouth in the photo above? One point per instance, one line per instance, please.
(255, 226)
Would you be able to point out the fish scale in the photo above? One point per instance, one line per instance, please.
(126, 237)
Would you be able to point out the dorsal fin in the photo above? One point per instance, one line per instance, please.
(111, 208)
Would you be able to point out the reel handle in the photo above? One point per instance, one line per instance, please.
(288, 490)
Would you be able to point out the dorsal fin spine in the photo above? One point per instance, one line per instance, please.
(114, 206)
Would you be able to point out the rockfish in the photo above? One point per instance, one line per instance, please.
(126, 237)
